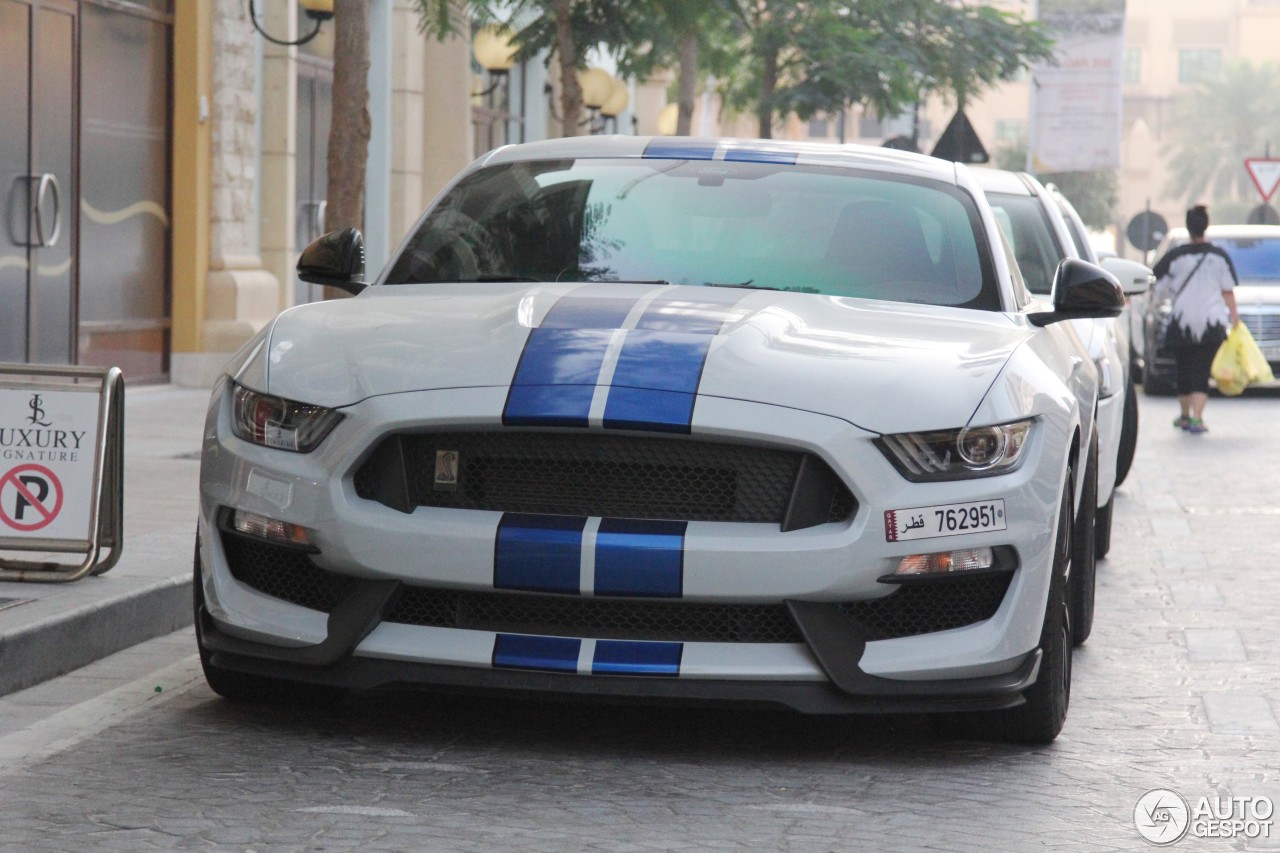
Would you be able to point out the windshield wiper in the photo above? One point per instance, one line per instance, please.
(745, 284)
(499, 278)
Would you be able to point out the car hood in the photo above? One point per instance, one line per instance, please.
(883, 366)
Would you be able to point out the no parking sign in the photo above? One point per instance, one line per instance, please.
(61, 462)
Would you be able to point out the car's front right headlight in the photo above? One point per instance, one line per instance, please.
(276, 422)
(957, 454)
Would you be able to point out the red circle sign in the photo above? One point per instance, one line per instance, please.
(39, 492)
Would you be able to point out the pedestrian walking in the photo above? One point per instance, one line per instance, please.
(1199, 280)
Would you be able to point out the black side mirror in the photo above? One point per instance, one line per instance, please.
(1082, 289)
(336, 259)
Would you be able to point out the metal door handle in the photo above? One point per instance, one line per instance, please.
(47, 181)
(317, 226)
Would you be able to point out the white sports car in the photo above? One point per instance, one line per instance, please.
(685, 419)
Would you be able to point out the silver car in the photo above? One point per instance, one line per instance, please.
(1255, 253)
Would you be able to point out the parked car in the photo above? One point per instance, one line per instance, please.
(1039, 236)
(1255, 253)
(664, 418)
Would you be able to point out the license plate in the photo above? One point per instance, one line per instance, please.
(929, 522)
(1271, 353)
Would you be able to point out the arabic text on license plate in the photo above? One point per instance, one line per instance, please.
(928, 522)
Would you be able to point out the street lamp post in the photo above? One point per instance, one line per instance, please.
(317, 10)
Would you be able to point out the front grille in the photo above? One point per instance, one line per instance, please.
(1265, 328)
(606, 476)
(921, 607)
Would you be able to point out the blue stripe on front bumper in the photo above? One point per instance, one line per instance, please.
(538, 553)
(622, 657)
(521, 651)
(640, 558)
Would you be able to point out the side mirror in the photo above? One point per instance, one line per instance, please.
(1081, 290)
(336, 259)
(1134, 277)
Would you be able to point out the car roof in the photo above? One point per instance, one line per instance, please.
(1001, 181)
(751, 150)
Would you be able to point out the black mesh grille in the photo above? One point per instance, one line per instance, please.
(916, 608)
(933, 604)
(598, 618)
(597, 475)
(283, 573)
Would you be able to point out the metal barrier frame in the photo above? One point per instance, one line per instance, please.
(106, 512)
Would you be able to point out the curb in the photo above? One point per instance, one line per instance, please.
(57, 645)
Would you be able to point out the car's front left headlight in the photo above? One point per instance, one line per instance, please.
(957, 454)
(279, 423)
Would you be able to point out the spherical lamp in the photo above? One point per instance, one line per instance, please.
(493, 48)
(617, 101)
(597, 84)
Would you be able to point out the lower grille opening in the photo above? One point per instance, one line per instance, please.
(915, 608)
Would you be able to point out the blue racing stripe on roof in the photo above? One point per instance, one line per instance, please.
(681, 149)
(521, 651)
(538, 553)
(637, 557)
(560, 365)
(762, 155)
(627, 657)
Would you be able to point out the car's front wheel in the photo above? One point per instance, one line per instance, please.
(1128, 435)
(1039, 719)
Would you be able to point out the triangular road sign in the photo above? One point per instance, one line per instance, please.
(959, 142)
(1266, 175)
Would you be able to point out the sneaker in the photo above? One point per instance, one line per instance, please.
(1195, 425)
(1181, 422)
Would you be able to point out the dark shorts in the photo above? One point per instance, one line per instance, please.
(1192, 358)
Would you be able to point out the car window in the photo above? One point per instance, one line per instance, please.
(1255, 259)
(698, 222)
(1030, 235)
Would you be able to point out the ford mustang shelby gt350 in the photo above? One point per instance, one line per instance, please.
(698, 420)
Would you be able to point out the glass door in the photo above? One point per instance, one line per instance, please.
(37, 166)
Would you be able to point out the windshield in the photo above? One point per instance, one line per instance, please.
(714, 223)
(1027, 228)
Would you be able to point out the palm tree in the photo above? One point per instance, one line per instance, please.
(1227, 118)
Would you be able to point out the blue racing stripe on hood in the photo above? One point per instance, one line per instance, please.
(656, 379)
(558, 370)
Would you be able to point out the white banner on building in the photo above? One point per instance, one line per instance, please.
(1076, 103)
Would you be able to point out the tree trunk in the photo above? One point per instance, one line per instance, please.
(688, 82)
(350, 126)
(768, 85)
(570, 91)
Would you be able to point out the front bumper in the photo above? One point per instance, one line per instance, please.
(810, 573)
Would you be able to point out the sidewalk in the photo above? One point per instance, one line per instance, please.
(50, 629)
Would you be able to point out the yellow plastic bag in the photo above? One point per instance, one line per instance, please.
(1239, 363)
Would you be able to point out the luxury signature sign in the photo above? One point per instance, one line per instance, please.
(39, 440)
(47, 463)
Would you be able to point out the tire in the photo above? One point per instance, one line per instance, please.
(1128, 436)
(243, 686)
(1102, 530)
(1040, 718)
(1083, 575)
